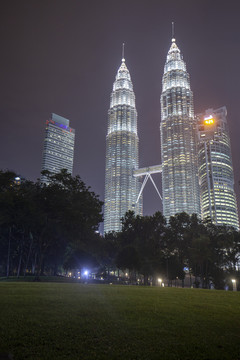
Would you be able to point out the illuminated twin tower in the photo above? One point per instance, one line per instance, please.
(121, 187)
(197, 172)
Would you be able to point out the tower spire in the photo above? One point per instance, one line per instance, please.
(123, 45)
(173, 39)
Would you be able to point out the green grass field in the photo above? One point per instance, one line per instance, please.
(75, 321)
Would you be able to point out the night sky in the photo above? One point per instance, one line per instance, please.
(62, 56)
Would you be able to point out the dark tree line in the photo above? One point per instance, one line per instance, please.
(43, 227)
(151, 247)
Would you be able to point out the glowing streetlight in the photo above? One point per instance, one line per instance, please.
(160, 282)
(234, 285)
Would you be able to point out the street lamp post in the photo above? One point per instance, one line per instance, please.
(234, 285)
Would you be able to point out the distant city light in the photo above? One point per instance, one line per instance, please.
(86, 272)
(17, 180)
(209, 120)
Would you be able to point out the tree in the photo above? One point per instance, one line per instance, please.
(15, 219)
(39, 221)
(141, 241)
(106, 250)
(128, 258)
(200, 258)
(70, 212)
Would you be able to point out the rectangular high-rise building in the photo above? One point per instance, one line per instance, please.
(58, 148)
(218, 199)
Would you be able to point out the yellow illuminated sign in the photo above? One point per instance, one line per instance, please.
(208, 120)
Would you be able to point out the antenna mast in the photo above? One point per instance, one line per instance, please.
(123, 45)
(172, 29)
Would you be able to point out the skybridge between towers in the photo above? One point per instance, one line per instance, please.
(148, 172)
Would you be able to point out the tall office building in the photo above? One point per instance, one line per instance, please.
(178, 139)
(218, 199)
(58, 148)
(121, 187)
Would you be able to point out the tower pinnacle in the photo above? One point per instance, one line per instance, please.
(123, 45)
(173, 38)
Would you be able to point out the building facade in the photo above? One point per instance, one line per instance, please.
(180, 185)
(58, 150)
(218, 199)
(121, 187)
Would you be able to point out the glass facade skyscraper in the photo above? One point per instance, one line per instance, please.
(180, 185)
(121, 187)
(58, 150)
(218, 199)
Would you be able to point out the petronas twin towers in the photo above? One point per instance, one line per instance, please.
(179, 147)
(178, 139)
(121, 187)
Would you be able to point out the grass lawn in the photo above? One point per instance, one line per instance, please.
(75, 321)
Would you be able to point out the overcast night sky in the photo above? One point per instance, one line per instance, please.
(62, 56)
